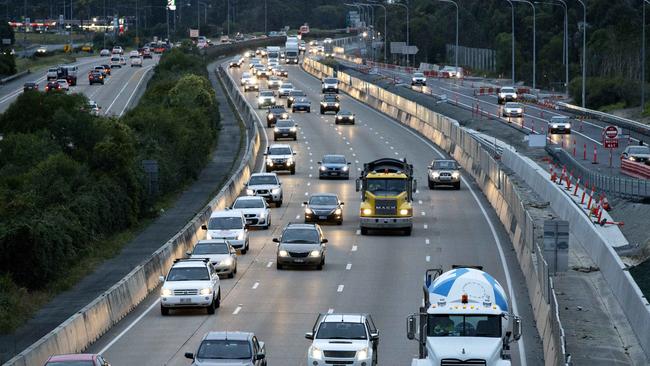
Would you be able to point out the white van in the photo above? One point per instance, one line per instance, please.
(229, 225)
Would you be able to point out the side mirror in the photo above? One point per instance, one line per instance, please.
(260, 356)
(349, 163)
(319, 162)
(342, 203)
(294, 153)
(189, 355)
(516, 328)
(411, 326)
(161, 278)
(324, 241)
(309, 335)
(276, 240)
(305, 203)
(204, 227)
(374, 336)
(430, 167)
(188, 253)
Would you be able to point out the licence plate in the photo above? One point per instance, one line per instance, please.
(186, 300)
(335, 173)
(445, 178)
(322, 217)
(299, 260)
(285, 134)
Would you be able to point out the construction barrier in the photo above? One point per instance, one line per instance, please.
(635, 169)
(485, 91)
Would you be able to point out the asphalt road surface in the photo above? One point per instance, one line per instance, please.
(378, 274)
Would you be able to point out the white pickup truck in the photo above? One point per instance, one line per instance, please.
(343, 339)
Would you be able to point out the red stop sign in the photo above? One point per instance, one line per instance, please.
(611, 132)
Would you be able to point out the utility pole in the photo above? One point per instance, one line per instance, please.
(265, 19)
(534, 37)
(643, 59)
(455, 52)
(512, 21)
(584, 52)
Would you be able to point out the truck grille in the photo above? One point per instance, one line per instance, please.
(298, 255)
(262, 191)
(444, 174)
(386, 207)
(185, 292)
(340, 354)
(457, 362)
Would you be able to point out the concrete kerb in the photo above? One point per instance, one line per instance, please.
(80, 330)
(541, 308)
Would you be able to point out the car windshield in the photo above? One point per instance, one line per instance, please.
(386, 187)
(266, 94)
(70, 363)
(279, 151)
(300, 236)
(211, 248)
(225, 223)
(446, 325)
(262, 179)
(52, 70)
(277, 110)
(287, 86)
(507, 90)
(444, 164)
(334, 159)
(512, 105)
(418, 74)
(560, 119)
(298, 93)
(323, 201)
(330, 98)
(303, 100)
(245, 75)
(249, 203)
(639, 150)
(224, 350)
(330, 81)
(341, 330)
(285, 124)
(188, 274)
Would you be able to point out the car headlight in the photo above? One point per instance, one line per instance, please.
(289, 161)
(362, 354)
(293, 129)
(366, 211)
(323, 168)
(351, 117)
(260, 100)
(316, 353)
(273, 100)
(339, 117)
(205, 291)
(337, 211)
(413, 79)
(568, 125)
(262, 214)
(455, 175)
(276, 129)
(165, 292)
(336, 104)
(269, 162)
(632, 158)
(308, 211)
(285, 116)
(250, 192)
(403, 212)
(283, 253)
(240, 236)
(323, 103)
(275, 190)
(435, 175)
(555, 125)
(227, 261)
(269, 116)
(314, 253)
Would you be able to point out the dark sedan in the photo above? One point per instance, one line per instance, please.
(285, 129)
(344, 117)
(324, 207)
(334, 166)
(53, 86)
(330, 103)
(301, 104)
(30, 86)
(275, 113)
(293, 95)
(95, 77)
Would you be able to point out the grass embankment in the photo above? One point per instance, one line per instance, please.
(72, 188)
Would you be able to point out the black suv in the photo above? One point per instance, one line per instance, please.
(29, 86)
(274, 114)
(285, 129)
(293, 95)
(301, 244)
(95, 77)
(324, 207)
(330, 103)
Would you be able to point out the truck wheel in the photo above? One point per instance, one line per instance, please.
(364, 231)
(432, 185)
(164, 311)
(407, 232)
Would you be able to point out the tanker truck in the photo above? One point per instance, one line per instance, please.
(464, 320)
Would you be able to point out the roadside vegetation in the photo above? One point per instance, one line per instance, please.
(73, 189)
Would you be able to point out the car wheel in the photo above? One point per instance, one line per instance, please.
(457, 186)
(212, 307)
(278, 266)
(336, 122)
(407, 231)
(293, 171)
(364, 231)
(244, 250)
(308, 110)
(231, 274)
(218, 303)
(339, 222)
(293, 110)
(275, 138)
(432, 185)
(322, 111)
(278, 203)
(164, 311)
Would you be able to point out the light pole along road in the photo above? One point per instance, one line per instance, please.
(534, 41)
(584, 52)
(457, 17)
(385, 29)
(565, 44)
(512, 22)
(408, 26)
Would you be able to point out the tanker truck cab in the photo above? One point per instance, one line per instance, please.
(387, 188)
(464, 320)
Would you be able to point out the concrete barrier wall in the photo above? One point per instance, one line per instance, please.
(596, 241)
(82, 329)
(494, 182)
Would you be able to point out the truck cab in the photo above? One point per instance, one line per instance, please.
(343, 339)
(464, 320)
(387, 188)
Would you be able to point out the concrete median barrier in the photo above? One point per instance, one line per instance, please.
(82, 329)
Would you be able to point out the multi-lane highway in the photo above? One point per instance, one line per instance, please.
(380, 274)
(114, 97)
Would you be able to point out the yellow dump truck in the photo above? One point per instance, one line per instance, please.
(387, 187)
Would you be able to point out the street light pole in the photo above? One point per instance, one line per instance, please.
(512, 21)
(385, 29)
(584, 51)
(408, 25)
(265, 18)
(534, 41)
(643, 59)
(565, 41)
(228, 16)
(456, 52)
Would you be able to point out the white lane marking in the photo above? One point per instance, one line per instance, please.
(237, 310)
(423, 213)
(308, 148)
(306, 193)
(311, 168)
(297, 217)
(116, 97)
(136, 321)
(311, 160)
(396, 153)
(348, 266)
(419, 202)
(354, 248)
(255, 285)
(308, 184)
(354, 154)
(350, 149)
(310, 175)
(268, 265)
(310, 153)
(358, 232)
(330, 310)
(340, 288)
(428, 258)
(426, 226)
(347, 142)
(426, 241)
(128, 101)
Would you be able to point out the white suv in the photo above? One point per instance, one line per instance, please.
(507, 94)
(330, 85)
(255, 209)
(419, 79)
(190, 283)
(346, 339)
(280, 157)
(229, 225)
(266, 185)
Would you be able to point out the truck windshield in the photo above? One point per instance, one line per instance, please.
(445, 325)
(211, 248)
(292, 53)
(386, 187)
(224, 350)
(341, 330)
(274, 54)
